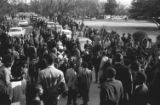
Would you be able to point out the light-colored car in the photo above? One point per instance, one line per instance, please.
(51, 24)
(59, 28)
(16, 32)
(23, 23)
(68, 33)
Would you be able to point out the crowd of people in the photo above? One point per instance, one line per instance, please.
(51, 66)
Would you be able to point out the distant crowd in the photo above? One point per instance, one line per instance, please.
(50, 66)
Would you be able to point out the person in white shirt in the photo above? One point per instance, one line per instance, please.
(5, 80)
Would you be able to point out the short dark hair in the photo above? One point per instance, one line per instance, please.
(110, 72)
(141, 77)
(54, 50)
(51, 58)
(118, 57)
(84, 64)
(8, 60)
(72, 64)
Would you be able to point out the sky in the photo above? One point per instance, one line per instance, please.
(125, 2)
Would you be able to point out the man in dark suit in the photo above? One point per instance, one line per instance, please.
(125, 76)
(111, 92)
(140, 94)
(84, 82)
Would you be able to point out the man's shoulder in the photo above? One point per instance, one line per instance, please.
(117, 82)
(42, 71)
(69, 69)
(51, 70)
(113, 82)
(89, 71)
(58, 71)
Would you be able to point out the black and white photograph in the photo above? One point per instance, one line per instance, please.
(79, 52)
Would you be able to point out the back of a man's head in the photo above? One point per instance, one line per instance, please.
(118, 57)
(54, 50)
(110, 72)
(140, 78)
(51, 58)
(84, 64)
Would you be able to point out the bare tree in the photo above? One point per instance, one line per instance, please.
(52, 7)
(4, 7)
(87, 8)
(64, 7)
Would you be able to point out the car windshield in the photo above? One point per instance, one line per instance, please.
(14, 30)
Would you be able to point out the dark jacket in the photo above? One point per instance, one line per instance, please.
(33, 70)
(140, 95)
(124, 75)
(84, 79)
(154, 90)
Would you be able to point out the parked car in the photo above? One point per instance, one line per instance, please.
(23, 23)
(51, 24)
(16, 32)
(57, 28)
